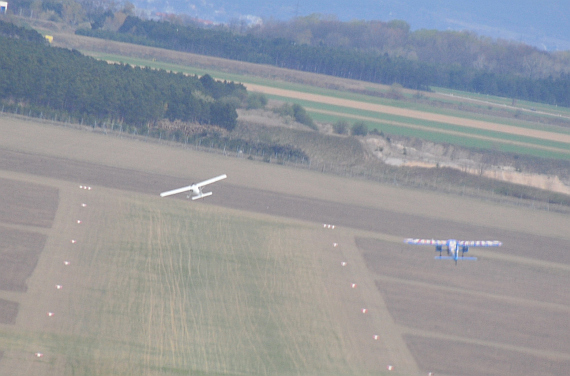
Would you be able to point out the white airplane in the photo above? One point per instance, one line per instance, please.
(196, 188)
(453, 247)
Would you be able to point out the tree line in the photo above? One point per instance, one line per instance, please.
(35, 75)
(364, 64)
(279, 51)
(462, 48)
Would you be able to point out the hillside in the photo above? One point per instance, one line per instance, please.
(544, 25)
(385, 53)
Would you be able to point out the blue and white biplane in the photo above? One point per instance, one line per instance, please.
(453, 247)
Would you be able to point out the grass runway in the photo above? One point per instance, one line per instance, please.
(156, 288)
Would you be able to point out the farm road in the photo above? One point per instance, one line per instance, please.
(242, 198)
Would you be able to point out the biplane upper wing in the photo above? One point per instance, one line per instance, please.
(479, 243)
(425, 242)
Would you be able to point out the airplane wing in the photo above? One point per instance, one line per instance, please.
(194, 186)
(479, 243)
(210, 181)
(425, 242)
(175, 191)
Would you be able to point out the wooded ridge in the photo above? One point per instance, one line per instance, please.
(365, 62)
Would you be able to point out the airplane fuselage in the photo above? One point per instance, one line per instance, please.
(452, 247)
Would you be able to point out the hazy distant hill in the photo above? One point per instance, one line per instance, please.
(545, 24)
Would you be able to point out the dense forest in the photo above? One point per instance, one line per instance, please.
(367, 64)
(38, 77)
(395, 38)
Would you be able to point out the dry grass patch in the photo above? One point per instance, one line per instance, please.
(321, 148)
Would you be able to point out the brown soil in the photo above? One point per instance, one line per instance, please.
(8, 312)
(19, 255)
(27, 203)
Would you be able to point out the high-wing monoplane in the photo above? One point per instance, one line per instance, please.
(453, 247)
(195, 188)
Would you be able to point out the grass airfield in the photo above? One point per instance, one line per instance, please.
(154, 287)
(248, 281)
